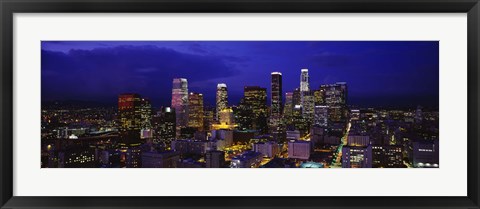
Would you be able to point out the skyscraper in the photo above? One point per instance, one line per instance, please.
(164, 126)
(256, 98)
(195, 111)
(180, 103)
(335, 96)
(306, 96)
(276, 94)
(304, 81)
(221, 98)
(321, 116)
(129, 110)
(135, 115)
(145, 114)
(288, 108)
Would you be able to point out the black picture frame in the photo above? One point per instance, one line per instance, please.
(10, 7)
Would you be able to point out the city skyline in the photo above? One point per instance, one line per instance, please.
(287, 120)
(404, 71)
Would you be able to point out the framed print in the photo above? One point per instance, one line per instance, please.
(239, 104)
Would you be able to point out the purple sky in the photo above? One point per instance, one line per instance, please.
(383, 73)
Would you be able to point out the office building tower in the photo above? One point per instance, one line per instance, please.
(319, 97)
(304, 81)
(164, 126)
(288, 108)
(306, 96)
(255, 97)
(276, 94)
(145, 114)
(195, 111)
(321, 116)
(208, 118)
(221, 99)
(180, 103)
(335, 96)
(134, 115)
(129, 110)
(296, 97)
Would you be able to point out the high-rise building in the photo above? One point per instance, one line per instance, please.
(221, 99)
(296, 97)
(135, 115)
(195, 111)
(308, 106)
(164, 126)
(208, 118)
(244, 116)
(288, 108)
(146, 114)
(180, 103)
(335, 96)
(306, 96)
(256, 98)
(319, 96)
(129, 110)
(304, 81)
(276, 94)
(321, 116)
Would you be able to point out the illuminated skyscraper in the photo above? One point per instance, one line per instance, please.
(129, 110)
(208, 118)
(276, 94)
(319, 96)
(287, 110)
(335, 96)
(255, 97)
(306, 96)
(321, 116)
(195, 110)
(180, 103)
(221, 99)
(296, 97)
(135, 115)
(146, 114)
(164, 126)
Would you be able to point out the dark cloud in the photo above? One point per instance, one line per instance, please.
(106, 72)
(328, 59)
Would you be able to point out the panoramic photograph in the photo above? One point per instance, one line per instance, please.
(240, 104)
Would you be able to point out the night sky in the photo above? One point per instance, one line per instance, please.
(378, 74)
